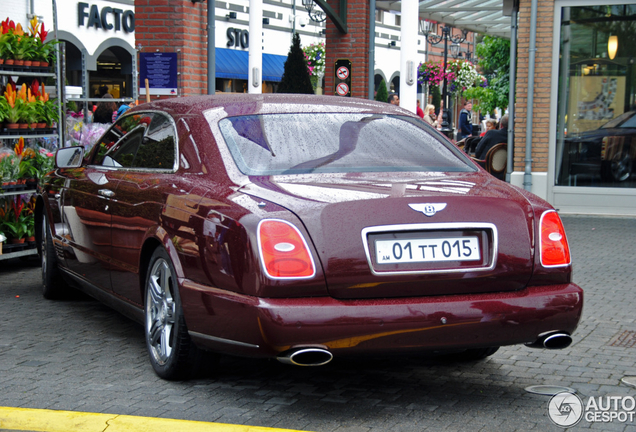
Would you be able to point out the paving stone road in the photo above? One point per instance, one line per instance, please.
(78, 355)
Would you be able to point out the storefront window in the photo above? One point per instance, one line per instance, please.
(596, 118)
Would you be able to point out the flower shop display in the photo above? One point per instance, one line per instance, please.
(79, 132)
(21, 168)
(20, 48)
(29, 107)
(17, 222)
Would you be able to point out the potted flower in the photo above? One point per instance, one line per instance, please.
(45, 162)
(16, 222)
(7, 41)
(17, 228)
(9, 168)
(12, 106)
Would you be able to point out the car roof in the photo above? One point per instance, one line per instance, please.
(269, 103)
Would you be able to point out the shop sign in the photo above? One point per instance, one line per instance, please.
(106, 18)
(237, 37)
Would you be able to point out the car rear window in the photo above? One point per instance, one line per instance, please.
(274, 144)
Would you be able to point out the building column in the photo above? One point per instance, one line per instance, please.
(353, 46)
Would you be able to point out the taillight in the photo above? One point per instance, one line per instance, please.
(553, 244)
(283, 250)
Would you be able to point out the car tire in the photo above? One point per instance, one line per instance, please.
(53, 286)
(618, 169)
(172, 353)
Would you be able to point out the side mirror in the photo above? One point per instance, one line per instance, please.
(69, 157)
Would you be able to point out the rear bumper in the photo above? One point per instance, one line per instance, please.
(263, 327)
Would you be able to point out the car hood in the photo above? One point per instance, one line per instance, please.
(338, 210)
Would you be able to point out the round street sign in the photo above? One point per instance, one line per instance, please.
(342, 89)
(342, 72)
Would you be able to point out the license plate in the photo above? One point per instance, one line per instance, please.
(427, 250)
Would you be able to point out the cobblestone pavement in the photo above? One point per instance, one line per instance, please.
(81, 356)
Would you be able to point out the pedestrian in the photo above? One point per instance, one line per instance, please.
(430, 116)
(105, 110)
(419, 111)
(394, 99)
(122, 109)
(465, 121)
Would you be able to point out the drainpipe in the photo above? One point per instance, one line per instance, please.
(527, 177)
(371, 49)
(511, 93)
(211, 47)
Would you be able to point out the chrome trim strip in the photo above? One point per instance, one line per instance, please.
(221, 340)
(431, 227)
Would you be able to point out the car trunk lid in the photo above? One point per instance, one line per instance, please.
(396, 235)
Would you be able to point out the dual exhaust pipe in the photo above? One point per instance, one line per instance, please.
(552, 340)
(311, 356)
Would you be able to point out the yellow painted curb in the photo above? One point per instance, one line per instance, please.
(70, 421)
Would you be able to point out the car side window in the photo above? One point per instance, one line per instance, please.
(158, 148)
(119, 146)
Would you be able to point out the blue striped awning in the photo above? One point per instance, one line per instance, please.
(232, 63)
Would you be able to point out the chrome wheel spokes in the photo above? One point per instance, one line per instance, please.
(160, 311)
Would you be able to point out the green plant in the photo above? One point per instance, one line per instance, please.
(27, 169)
(296, 75)
(29, 112)
(46, 51)
(17, 227)
(44, 163)
(6, 45)
(24, 49)
(382, 95)
(11, 105)
(9, 167)
(50, 112)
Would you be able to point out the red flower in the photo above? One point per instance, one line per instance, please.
(42, 33)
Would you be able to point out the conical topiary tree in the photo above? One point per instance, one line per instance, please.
(382, 95)
(296, 77)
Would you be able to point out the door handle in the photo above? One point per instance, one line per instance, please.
(106, 192)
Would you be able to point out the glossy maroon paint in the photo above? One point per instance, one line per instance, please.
(206, 213)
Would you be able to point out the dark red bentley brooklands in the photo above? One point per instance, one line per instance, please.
(302, 228)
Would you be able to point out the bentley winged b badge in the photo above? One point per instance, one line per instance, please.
(429, 209)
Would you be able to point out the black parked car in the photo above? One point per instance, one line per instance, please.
(608, 151)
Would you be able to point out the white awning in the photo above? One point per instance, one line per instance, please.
(480, 16)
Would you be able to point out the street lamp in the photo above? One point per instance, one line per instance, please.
(434, 39)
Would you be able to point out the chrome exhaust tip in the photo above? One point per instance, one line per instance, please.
(305, 357)
(552, 340)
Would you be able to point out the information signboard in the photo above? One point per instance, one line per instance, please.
(160, 69)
